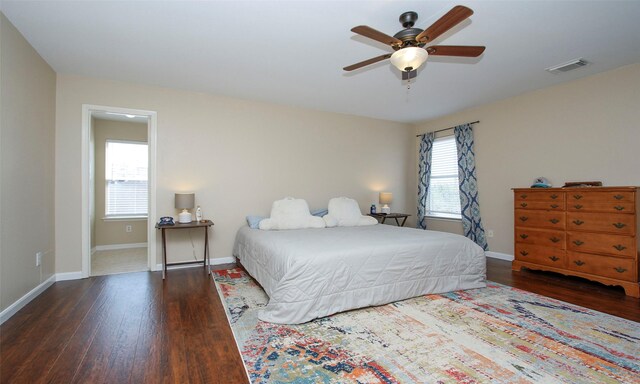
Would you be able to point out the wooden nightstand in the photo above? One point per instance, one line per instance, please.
(194, 224)
(382, 217)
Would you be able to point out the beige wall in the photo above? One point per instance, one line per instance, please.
(27, 117)
(109, 232)
(237, 156)
(578, 131)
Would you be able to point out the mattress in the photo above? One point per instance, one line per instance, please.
(312, 273)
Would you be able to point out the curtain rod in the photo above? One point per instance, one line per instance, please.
(446, 129)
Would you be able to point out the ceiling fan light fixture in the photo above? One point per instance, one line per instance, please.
(409, 59)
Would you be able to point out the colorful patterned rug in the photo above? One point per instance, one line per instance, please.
(496, 334)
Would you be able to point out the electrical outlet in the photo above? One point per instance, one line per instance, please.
(128, 228)
(38, 259)
(490, 233)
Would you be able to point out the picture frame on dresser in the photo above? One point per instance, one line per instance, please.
(590, 232)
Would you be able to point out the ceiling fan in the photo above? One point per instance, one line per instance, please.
(410, 43)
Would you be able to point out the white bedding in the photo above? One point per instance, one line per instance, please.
(312, 273)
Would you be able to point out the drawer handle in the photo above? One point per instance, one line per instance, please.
(577, 206)
(618, 197)
(578, 222)
(578, 242)
(620, 269)
(554, 221)
(579, 263)
(524, 253)
(523, 196)
(620, 247)
(619, 225)
(524, 236)
(554, 206)
(524, 218)
(554, 196)
(554, 239)
(523, 205)
(618, 208)
(577, 197)
(554, 258)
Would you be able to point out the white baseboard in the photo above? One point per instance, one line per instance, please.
(93, 250)
(111, 247)
(24, 300)
(222, 260)
(498, 255)
(69, 276)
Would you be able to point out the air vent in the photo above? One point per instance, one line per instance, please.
(568, 66)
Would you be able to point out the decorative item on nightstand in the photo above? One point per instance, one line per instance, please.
(385, 199)
(185, 201)
(198, 214)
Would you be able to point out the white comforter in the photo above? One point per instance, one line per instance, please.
(311, 273)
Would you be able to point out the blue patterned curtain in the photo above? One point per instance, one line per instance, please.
(424, 174)
(469, 202)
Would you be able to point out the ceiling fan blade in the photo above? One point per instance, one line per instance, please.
(452, 18)
(376, 35)
(367, 62)
(455, 50)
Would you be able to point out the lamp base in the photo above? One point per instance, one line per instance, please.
(385, 209)
(184, 217)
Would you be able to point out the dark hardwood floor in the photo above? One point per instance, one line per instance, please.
(135, 328)
(575, 290)
(127, 328)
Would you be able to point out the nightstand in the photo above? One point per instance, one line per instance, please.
(206, 261)
(382, 217)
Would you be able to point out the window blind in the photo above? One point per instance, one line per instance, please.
(444, 193)
(126, 176)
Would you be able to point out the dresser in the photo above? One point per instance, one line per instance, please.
(587, 232)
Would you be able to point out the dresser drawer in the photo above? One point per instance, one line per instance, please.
(540, 219)
(617, 245)
(601, 222)
(538, 195)
(618, 202)
(539, 204)
(553, 239)
(537, 254)
(613, 267)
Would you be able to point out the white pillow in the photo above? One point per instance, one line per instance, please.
(290, 213)
(345, 212)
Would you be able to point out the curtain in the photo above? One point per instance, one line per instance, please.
(424, 173)
(469, 202)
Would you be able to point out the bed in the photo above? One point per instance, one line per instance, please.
(312, 273)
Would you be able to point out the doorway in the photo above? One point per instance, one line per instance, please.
(118, 190)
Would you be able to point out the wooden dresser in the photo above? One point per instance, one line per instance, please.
(587, 232)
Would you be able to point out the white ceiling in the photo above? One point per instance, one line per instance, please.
(293, 52)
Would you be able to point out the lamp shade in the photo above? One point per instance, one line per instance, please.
(386, 198)
(185, 200)
(408, 59)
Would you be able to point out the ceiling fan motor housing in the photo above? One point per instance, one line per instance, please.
(408, 35)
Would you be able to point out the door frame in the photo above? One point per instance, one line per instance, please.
(152, 128)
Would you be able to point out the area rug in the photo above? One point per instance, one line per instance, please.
(496, 334)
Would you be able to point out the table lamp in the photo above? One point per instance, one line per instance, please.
(185, 201)
(385, 199)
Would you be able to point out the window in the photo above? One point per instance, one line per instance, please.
(126, 175)
(444, 193)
